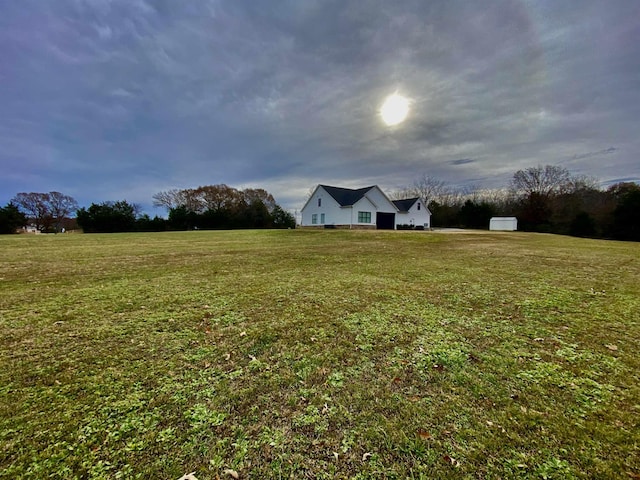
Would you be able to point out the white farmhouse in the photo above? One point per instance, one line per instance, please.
(369, 207)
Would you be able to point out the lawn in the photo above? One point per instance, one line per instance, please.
(319, 354)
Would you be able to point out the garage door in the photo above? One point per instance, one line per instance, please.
(385, 221)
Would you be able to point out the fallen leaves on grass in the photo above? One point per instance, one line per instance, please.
(613, 348)
(451, 460)
(188, 476)
(231, 473)
(423, 434)
(491, 424)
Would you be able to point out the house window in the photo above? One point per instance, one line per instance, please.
(364, 217)
(319, 202)
(314, 219)
(322, 218)
(418, 205)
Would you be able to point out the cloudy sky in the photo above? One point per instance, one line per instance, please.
(120, 99)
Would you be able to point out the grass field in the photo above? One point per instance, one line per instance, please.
(319, 354)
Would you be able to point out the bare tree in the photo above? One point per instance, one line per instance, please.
(259, 194)
(61, 207)
(34, 206)
(310, 192)
(427, 188)
(191, 199)
(430, 188)
(168, 199)
(212, 197)
(188, 198)
(502, 199)
(45, 210)
(583, 182)
(217, 197)
(541, 181)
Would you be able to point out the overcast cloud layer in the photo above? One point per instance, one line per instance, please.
(111, 100)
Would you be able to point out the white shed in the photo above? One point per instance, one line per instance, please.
(508, 224)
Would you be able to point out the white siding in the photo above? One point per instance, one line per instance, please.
(509, 224)
(379, 199)
(341, 216)
(333, 213)
(415, 217)
(363, 205)
(328, 206)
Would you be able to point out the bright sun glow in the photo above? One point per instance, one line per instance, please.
(394, 109)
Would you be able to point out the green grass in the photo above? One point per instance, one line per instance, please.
(319, 354)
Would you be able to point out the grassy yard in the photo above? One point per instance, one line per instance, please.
(319, 354)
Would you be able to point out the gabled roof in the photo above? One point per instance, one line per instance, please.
(405, 204)
(346, 196)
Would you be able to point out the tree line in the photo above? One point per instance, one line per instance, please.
(222, 207)
(207, 207)
(545, 199)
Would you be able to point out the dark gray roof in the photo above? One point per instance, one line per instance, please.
(346, 196)
(405, 204)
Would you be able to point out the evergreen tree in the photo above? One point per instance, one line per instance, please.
(11, 218)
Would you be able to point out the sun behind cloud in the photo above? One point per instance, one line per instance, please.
(394, 110)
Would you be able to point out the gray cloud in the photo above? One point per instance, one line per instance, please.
(594, 154)
(106, 100)
(461, 161)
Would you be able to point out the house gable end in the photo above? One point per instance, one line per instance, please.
(371, 201)
(380, 199)
(319, 190)
(409, 205)
(315, 190)
(405, 205)
(345, 196)
(365, 203)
